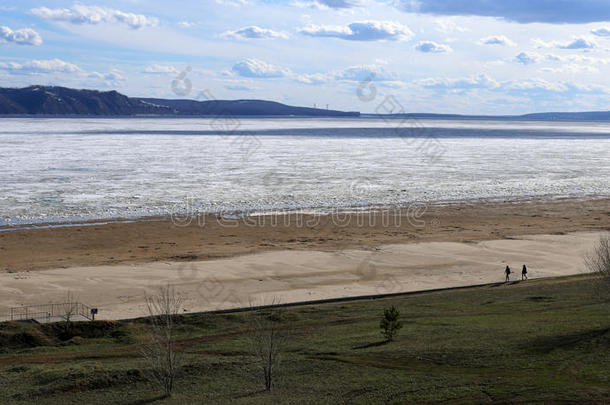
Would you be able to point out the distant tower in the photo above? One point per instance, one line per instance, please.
(327, 106)
(314, 105)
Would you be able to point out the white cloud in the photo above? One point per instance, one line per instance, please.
(254, 68)
(313, 78)
(258, 69)
(535, 84)
(160, 69)
(40, 66)
(571, 68)
(531, 87)
(113, 76)
(542, 44)
(364, 72)
(186, 24)
(432, 47)
(496, 40)
(361, 31)
(465, 83)
(356, 73)
(336, 31)
(447, 26)
(578, 43)
(81, 14)
(24, 36)
(254, 32)
(233, 3)
(538, 85)
(601, 32)
(328, 4)
(578, 59)
(574, 63)
(527, 58)
(575, 43)
(110, 79)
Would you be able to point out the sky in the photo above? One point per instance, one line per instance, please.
(451, 56)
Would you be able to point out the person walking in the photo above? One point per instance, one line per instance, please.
(524, 273)
(507, 271)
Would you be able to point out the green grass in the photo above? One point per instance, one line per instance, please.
(536, 342)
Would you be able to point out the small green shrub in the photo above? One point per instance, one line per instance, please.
(390, 324)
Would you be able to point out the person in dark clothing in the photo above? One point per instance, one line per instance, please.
(524, 273)
(507, 271)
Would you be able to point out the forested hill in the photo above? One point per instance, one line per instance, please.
(52, 100)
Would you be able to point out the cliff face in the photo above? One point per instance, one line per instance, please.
(51, 100)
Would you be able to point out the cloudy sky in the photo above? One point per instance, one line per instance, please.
(473, 57)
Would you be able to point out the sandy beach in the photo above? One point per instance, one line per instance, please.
(293, 276)
(219, 264)
(211, 237)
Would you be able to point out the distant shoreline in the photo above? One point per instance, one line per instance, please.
(536, 117)
(57, 101)
(305, 211)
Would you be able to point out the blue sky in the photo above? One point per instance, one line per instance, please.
(472, 57)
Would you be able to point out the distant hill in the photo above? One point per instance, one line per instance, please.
(243, 107)
(544, 116)
(570, 116)
(52, 100)
(39, 100)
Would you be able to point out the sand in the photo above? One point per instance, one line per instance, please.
(300, 275)
(207, 238)
(217, 264)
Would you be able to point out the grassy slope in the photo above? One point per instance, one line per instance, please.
(535, 342)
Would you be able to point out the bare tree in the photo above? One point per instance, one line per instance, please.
(268, 339)
(598, 263)
(69, 309)
(161, 354)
